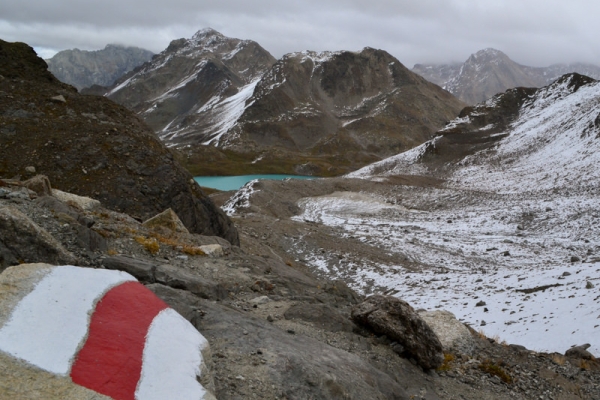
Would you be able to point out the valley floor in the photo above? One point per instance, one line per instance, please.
(522, 268)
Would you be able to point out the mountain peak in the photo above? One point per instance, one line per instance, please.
(206, 33)
(487, 55)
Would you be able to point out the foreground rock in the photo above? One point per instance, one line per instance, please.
(133, 344)
(22, 240)
(397, 320)
(89, 146)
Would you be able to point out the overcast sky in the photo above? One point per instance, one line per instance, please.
(531, 32)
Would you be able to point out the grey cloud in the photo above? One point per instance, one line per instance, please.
(532, 32)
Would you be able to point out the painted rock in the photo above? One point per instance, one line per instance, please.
(82, 333)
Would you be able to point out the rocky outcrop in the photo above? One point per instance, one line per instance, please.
(166, 220)
(22, 240)
(82, 69)
(390, 316)
(490, 71)
(92, 147)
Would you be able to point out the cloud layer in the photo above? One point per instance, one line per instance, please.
(532, 32)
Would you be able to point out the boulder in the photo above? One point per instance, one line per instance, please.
(79, 333)
(180, 279)
(453, 334)
(580, 352)
(40, 184)
(140, 269)
(212, 250)
(22, 240)
(85, 203)
(395, 318)
(166, 219)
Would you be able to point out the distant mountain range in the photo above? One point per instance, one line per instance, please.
(313, 111)
(82, 69)
(490, 71)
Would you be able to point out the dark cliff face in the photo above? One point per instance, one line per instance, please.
(341, 103)
(91, 146)
(84, 69)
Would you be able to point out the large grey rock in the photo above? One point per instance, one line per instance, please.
(142, 270)
(580, 352)
(40, 184)
(395, 318)
(22, 240)
(166, 220)
(453, 334)
(181, 279)
(254, 356)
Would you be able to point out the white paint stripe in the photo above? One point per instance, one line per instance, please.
(48, 325)
(171, 360)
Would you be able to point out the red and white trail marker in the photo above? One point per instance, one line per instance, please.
(107, 332)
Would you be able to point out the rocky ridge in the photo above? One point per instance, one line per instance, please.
(82, 69)
(490, 71)
(90, 146)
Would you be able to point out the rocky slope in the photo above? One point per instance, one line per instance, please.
(88, 145)
(196, 88)
(82, 69)
(490, 71)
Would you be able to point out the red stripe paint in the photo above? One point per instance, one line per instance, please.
(110, 362)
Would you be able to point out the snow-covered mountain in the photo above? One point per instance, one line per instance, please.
(508, 241)
(490, 71)
(196, 89)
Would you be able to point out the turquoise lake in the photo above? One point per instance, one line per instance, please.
(235, 182)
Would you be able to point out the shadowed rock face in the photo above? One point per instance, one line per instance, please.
(90, 146)
(83, 69)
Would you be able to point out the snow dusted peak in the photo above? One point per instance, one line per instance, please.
(207, 34)
(487, 55)
(316, 57)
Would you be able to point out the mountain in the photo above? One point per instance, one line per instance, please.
(347, 105)
(88, 145)
(490, 71)
(520, 139)
(307, 113)
(82, 69)
(194, 90)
